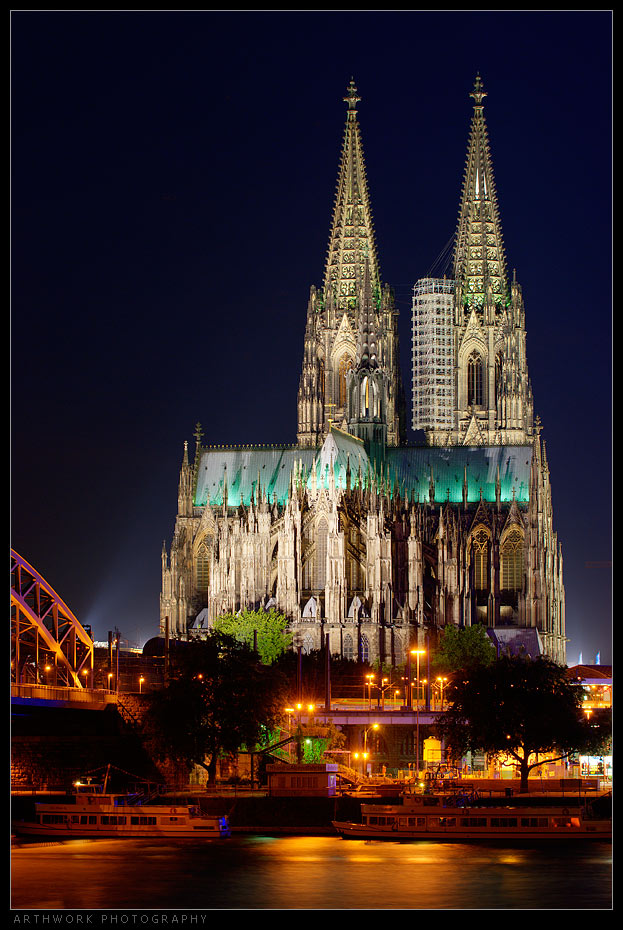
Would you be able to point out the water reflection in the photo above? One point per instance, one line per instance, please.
(307, 872)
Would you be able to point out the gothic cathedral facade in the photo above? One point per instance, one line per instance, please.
(362, 540)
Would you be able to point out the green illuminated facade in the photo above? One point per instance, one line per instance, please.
(351, 532)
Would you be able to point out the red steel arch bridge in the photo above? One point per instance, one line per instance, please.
(49, 646)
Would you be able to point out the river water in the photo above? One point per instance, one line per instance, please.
(305, 872)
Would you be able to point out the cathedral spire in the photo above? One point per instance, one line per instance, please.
(479, 259)
(351, 240)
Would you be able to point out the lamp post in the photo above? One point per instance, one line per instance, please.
(417, 653)
(374, 726)
(140, 684)
(441, 683)
(370, 678)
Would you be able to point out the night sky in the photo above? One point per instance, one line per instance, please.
(172, 185)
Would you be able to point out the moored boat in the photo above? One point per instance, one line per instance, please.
(95, 813)
(452, 818)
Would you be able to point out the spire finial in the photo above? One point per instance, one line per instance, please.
(478, 93)
(352, 97)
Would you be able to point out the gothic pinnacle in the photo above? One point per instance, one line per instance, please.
(478, 93)
(352, 97)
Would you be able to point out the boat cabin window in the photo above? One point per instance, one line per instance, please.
(534, 822)
(565, 821)
(442, 821)
(503, 821)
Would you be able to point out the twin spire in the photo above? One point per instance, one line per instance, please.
(479, 259)
(351, 241)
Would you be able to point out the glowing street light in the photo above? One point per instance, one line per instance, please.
(140, 684)
(441, 684)
(417, 653)
(374, 726)
(370, 680)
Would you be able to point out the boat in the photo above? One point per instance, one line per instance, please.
(94, 812)
(459, 817)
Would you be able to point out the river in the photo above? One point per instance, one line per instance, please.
(306, 872)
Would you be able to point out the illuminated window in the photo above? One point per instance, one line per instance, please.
(348, 649)
(511, 560)
(202, 571)
(475, 380)
(320, 568)
(345, 366)
(480, 555)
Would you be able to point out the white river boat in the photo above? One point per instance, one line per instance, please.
(95, 813)
(442, 817)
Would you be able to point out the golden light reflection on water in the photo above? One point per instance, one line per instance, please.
(307, 872)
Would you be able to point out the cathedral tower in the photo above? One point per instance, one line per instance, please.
(351, 290)
(469, 333)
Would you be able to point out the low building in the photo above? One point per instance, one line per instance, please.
(311, 780)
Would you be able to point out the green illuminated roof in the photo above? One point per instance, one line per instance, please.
(242, 467)
(413, 468)
(410, 468)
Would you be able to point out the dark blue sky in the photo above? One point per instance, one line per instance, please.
(173, 177)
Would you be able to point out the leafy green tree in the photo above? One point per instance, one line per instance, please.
(218, 698)
(517, 708)
(267, 627)
(463, 649)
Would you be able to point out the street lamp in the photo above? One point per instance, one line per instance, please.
(140, 684)
(417, 653)
(374, 726)
(441, 684)
(370, 678)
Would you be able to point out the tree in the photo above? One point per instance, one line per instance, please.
(266, 627)
(463, 649)
(218, 698)
(517, 708)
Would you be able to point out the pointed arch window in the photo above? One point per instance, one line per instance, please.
(320, 567)
(346, 363)
(511, 560)
(475, 380)
(348, 649)
(321, 375)
(480, 556)
(498, 376)
(364, 648)
(202, 572)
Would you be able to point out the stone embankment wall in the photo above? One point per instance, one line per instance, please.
(51, 747)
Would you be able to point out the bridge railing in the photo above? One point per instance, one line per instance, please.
(60, 693)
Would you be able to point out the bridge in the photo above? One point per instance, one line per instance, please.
(343, 713)
(53, 662)
(49, 646)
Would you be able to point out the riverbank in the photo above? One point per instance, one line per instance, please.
(307, 816)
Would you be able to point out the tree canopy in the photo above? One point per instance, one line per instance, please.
(218, 698)
(267, 628)
(517, 708)
(463, 649)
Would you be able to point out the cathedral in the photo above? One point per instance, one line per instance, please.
(365, 542)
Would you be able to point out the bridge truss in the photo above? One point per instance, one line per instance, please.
(49, 646)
